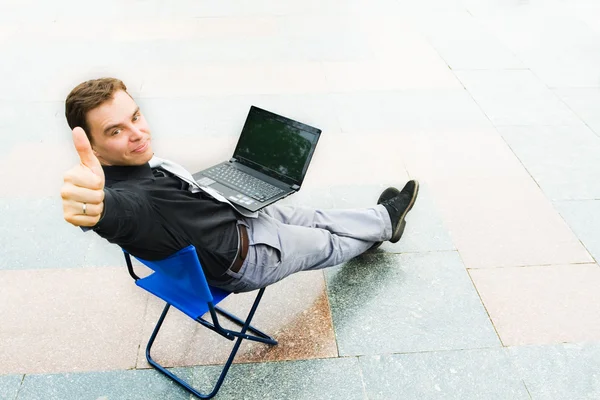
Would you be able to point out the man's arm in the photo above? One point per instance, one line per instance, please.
(116, 214)
(126, 214)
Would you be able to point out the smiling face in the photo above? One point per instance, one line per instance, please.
(119, 131)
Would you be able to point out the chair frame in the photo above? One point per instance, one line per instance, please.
(215, 326)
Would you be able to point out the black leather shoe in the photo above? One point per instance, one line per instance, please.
(399, 206)
(386, 195)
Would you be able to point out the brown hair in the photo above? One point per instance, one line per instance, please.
(88, 95)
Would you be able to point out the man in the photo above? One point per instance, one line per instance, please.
(153, 208)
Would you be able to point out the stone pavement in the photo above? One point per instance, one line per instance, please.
(493, 105)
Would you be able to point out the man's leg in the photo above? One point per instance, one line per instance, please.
(366, 224)
(285, 240)
(278, 250)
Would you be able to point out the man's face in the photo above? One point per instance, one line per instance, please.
(120, 133)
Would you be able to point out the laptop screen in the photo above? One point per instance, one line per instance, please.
(276, 146)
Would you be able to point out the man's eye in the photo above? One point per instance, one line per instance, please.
(136, 117)
(116, 132)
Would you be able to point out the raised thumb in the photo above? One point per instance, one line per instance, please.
(86, 154)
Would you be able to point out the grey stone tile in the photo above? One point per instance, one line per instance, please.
(562, 160)
(565, 371)
(36, 236)
(325, 37)
(126, 385)
(567, 64)
(585, 102)
(337, 378)
(516, 97)
(552, 42)
(9, 386)
(272, 7)
(465, 43)
(372, 112)
(425, 230)
(101, 253)
(386, 303)
(17, 124)
(588, 12)
(225, 116)
(584, 219)
(276, 47)
(461, 375)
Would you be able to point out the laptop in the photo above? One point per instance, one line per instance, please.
(269, 162)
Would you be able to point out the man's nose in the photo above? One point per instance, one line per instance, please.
(136, 134)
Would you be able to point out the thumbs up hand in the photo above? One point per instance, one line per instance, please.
(83, 189)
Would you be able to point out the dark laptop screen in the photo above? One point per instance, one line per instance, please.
(277, 146)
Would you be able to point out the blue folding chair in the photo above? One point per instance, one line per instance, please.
(180, 281)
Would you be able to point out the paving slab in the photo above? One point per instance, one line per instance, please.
(64, 320)
(562, 160)
(538, 32)
(409, 109)
(36, 236)
(234, 79)
(49, 125)
(383, 79)
(584, 218)
(45, 160)
(397, 40)
(125, 385)
(101, 253)
(295, 311)
(563, 371)
(167, 116)
(475, 178)
(584, 102)
(360, 76)
(330, 379)
(467, 44)
(389, 303)
(355, 160)
(460, 375)
(9, 386)
(542, 305)
(516, 97)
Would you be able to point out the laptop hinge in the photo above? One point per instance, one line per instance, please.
(232, 159)
(295, 187)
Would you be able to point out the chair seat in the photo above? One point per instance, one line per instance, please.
(188, 303)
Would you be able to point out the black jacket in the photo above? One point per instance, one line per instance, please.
(152, 216)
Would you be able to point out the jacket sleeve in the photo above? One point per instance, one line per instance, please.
(126, 214)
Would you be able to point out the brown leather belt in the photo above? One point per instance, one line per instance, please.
(242, 251)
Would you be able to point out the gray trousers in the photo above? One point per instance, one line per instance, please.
(285, 239)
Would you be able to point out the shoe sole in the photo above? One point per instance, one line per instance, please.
(400, 228)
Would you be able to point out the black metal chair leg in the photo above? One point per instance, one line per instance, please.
(241, 335)
(262, 337)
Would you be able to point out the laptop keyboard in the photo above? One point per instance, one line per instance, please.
(243, 182)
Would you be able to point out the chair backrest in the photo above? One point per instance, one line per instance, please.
(183, 273)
